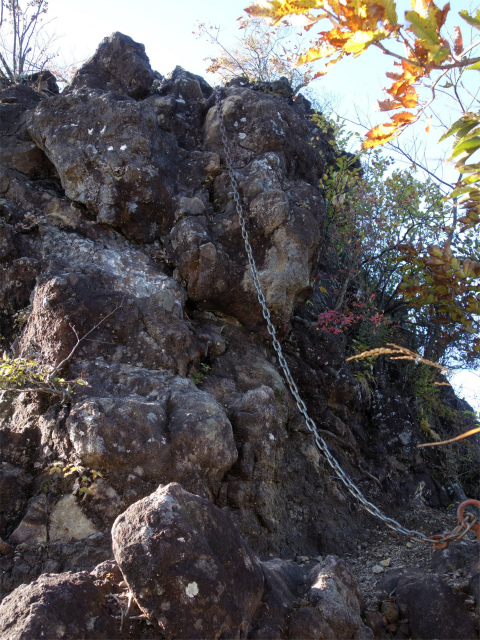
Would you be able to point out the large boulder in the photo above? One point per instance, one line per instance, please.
(67, 606)
(167, 429)
(189, 570)
(112, 157)
(434, 612)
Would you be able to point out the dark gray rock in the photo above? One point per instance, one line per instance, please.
(433, 610)
(67, 606)
(307, 623)
(187, 567)
(317, 600)
(459, 555)
(110, 156)
(335, 592)
(43, 82)
(120, 64)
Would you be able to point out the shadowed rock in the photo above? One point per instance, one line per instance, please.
(188, 568)
(67, 606)
(120, 64)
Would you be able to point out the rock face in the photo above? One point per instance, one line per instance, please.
(121, 256)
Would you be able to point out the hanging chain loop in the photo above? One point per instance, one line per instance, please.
(311, 426)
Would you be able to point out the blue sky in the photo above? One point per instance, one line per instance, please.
(165, 28)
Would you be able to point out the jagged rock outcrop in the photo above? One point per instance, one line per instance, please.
(121, 253)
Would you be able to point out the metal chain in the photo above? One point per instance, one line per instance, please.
(311, 426)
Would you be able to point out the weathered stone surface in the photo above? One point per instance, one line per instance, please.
(15, 484)
(474, 587)
(308, 624)
(32, 529)
(112, 157)
(168, 429)
(432, 609)
(189, 570)
(86, 280)
(181, 106)
(336, 594)
(316, 600)
(216, 274)
(68, 606)
(285, 583)
(17, 150)
(461, 555)
(68, 522)
(120, 64)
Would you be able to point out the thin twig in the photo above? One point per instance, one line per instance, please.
(79, 341)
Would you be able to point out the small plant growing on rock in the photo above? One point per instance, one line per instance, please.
(23, 374)
(20, 375)
(85, 477)
(20, 318)
(199, 376)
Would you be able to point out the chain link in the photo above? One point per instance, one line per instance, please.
(311, 426)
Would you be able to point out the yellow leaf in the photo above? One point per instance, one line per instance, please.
(360, 40)
(276, 10)
(381, 134)
(420, 6)
(325, 51)
(429, 121)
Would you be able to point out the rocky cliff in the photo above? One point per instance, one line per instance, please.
(122, 256)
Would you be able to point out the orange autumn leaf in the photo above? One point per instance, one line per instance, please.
(381, 134)
(409, 98)
(324, 51)
(405, 117)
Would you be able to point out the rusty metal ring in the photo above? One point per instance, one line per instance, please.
(461, 507)
(475, 523)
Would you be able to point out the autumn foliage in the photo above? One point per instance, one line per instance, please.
(357, 25)
(440, 278)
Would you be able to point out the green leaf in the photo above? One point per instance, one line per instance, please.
(465, 145)
(459, 192)
(422, 28)
(457, 126)
(474, 67)
(473, 21)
